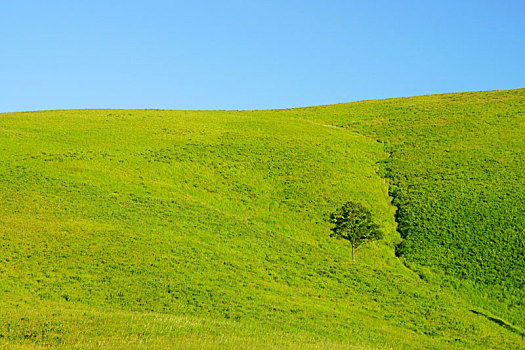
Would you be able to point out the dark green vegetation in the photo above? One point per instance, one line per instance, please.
(207, 229)
(353, 222)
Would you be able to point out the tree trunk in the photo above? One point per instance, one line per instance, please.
(353, 252)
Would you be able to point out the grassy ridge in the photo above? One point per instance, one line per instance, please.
(116, 223)
(457, 175)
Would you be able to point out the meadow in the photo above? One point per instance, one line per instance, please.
(457, 177)
(192, 229)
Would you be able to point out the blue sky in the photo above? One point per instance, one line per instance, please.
(252, 54)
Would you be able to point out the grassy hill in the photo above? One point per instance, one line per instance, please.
(457, 177)
(176, 229)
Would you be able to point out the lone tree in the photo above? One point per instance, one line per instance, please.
(353, 222)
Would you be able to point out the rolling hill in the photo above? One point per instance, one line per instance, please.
(192, 229)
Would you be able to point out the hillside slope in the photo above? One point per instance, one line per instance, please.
(457, 177)
(208, 229)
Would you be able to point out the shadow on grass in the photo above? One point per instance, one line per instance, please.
(500, 322)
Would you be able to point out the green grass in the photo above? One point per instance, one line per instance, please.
(457, 174)
(177, 229)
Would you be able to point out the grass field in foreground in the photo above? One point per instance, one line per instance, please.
(207, 229)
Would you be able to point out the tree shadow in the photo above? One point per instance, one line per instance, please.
(500, 322)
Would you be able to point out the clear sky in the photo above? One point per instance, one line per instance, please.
(257, 54)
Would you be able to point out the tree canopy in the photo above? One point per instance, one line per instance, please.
(354, 223)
